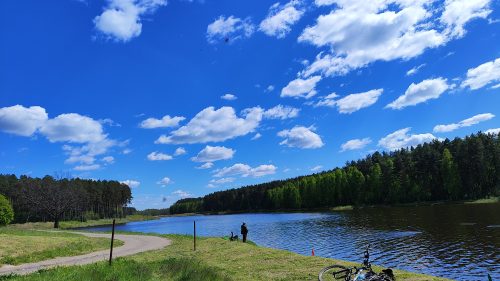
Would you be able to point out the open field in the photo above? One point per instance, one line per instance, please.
(26, 246)
(79, 224)
(215, 259)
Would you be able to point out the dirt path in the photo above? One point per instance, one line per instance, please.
(133, 244)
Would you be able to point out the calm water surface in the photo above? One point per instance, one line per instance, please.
(455, 241)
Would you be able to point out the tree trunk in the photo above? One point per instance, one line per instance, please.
(56, 223)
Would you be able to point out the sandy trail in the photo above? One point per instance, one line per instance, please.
(133, 244)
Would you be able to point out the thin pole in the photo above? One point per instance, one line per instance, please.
(112, 239)
(194, 236)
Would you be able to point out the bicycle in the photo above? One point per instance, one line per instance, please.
(364, 273)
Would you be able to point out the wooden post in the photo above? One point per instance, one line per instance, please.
(194, 236)
(112, 239)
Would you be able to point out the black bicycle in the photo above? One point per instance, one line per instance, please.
(364, 273)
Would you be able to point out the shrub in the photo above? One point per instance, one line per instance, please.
(6, 212)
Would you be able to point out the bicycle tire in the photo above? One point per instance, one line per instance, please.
(344, 272)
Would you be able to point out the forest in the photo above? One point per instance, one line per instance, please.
(50, 199)
(459, 169)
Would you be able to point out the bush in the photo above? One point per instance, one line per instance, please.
(6, 212)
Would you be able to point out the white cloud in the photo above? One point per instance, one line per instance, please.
(212, 125)
(421, 92)
(458, 12)
(207, 165)
(73, 127)
(483, 75)
(328, 101)
(414, 70)
(88, 152)
(493, 131)
(127, 151)
(179, 151)
(270, 88)
(355, 102)
(464, 123)
(316, 168)
(164, 181)
(165, 122)
(256, 136)
(401, 139)
(229, 29)
(301, 88)
(108, 159)
(131, 183)
(22, 121)
(246, 171)
(214, 153)
(355, 144)
(182, 194)
(158, 156)
(228, 97)
(361, 32)
(301, 137)
(281, 112)
(87, 167)
(222, 180)
(121, 19)
(280, 19)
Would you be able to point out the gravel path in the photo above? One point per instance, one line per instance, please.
(133, 244)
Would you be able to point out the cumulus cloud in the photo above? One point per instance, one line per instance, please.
(182, 194)
(131, 183)
(458, 12)
(228, 97)
(158, 156)
(328, 101)
(355, 102)
(207, 165)
(164, 181)
(179, 151)
(87, 167)
(464, 123)
(222, 180)
(121, 19)
(301, 137)
(245, 170)
(483, 75)
(493, 131)
(211, 125)
(280, 19)
(256, 136)
(229, 29)
(401, 139)
(281, 112)
(108, 159)
(73, 127)
(355, 144)
(214, 153)
(301, 88)
(316, 168)
(403, 29)
(414, 70)
(22, 121)
(165, 122)
(421, 92)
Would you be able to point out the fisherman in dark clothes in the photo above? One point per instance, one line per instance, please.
(244, 232)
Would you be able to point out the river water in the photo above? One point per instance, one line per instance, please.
(459, 241)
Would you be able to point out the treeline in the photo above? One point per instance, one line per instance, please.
(459, 169)
(50, 199)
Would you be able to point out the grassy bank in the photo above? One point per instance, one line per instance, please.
(80, 224)
(25, 246)
(215, 259)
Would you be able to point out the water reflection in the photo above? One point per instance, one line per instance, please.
(456, 241)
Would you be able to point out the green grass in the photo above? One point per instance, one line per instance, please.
(79, 224)
(343, 208)
(214, 259)
(26, 246)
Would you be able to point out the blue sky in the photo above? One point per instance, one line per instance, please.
(190, 97)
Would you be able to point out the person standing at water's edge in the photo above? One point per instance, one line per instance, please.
(244, 232)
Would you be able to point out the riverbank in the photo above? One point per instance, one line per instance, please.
(214, 259)
(80, 224)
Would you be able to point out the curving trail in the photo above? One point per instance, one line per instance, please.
(133, 244)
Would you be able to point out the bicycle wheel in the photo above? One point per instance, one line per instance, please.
(335, 272)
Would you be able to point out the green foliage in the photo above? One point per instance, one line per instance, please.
(461, 169)
(6, 211)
